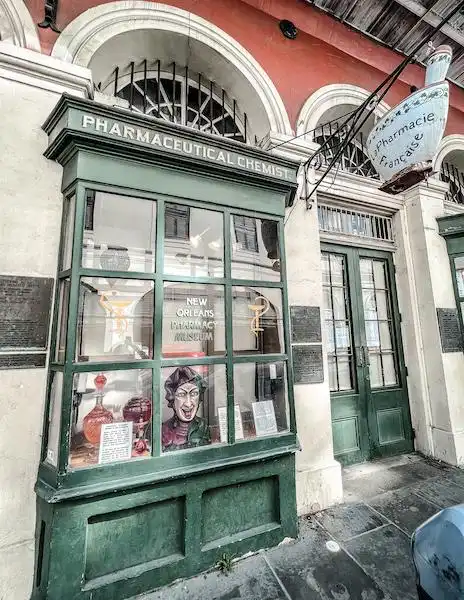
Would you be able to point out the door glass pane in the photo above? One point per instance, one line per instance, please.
(193, 320)
(337, 323)
(258, 321)
(375, 370)
(193, 241)
(115, 319)
(261, 392)
(377, 322)
(111, 417)
(255, 248)
(338, 302)
(109, 243)
(194, 406)
(389, 373)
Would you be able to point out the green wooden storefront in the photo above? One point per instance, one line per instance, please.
(114, 527)
(452, 229)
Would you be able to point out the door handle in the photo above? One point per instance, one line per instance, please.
(366, 360)
(359, 350)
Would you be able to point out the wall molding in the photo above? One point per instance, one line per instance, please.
(43, 72)
(16, 25)
(329, 96)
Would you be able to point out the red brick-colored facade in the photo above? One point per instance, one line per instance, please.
(324, 52)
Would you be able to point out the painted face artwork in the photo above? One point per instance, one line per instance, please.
(186, 400)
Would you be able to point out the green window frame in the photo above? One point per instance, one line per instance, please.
(76, 214)
(457, 271)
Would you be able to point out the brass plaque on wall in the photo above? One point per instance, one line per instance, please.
(450, 331)
(306, 324)
(25, 305)
(308, 366)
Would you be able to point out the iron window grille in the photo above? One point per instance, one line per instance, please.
(178, 95)
(455, 178)
(341, 220)
(354, 158)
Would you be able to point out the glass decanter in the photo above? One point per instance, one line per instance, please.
(99, 415)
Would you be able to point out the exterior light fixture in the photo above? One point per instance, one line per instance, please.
(288, 29)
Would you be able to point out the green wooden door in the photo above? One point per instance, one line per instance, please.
(370, 409)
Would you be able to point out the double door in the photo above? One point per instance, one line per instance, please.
(367, 375)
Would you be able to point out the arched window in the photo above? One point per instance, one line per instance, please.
(176, 95)
(450, 174)
(353, 159)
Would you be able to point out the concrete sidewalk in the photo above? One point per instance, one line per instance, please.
(355, 551)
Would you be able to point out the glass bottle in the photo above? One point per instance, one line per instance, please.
(99, 415)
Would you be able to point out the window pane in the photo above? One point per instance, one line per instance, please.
(459, 266)
(337, 269)
(367, 275)
(54, 418)
(375, 371)
(382, 306)
(68, 232)
(344, 373)
(193, 244)
(332, 374)
(261, 392)
(385, 335)
(389, 371)
(111, 417)
(115, 319)
(193, 320)
(195, 398)
(379, 274)
(65, 287)
(338, 298)
(255, 248)
(109, 243)
(257, 318)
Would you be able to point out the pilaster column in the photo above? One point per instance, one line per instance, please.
(443, 373)
(318, 474)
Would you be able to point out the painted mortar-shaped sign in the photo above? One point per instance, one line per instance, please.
(404, 142)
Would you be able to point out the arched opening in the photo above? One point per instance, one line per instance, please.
(449, 166)
(131, 43)
(324, 113)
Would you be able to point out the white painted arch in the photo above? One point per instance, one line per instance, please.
(450, 143)
(17, 26)
(328, 97)
(84, 36)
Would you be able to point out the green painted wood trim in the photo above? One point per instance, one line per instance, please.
(452, 225)
(66, 120)
(68, 538)
(134, 176)
(157, 470)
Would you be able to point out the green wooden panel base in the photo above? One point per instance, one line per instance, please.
(125, 543)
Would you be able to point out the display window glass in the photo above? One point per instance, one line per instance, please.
(194, 406)
(255, 248)
(258, 320)
(54, 417)
(260, 389)
(193, 241)
(111, 417)
(193, 320)
(63, 313)
(115, 319)
(68, 232)
(109, 243)
(154, 338)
